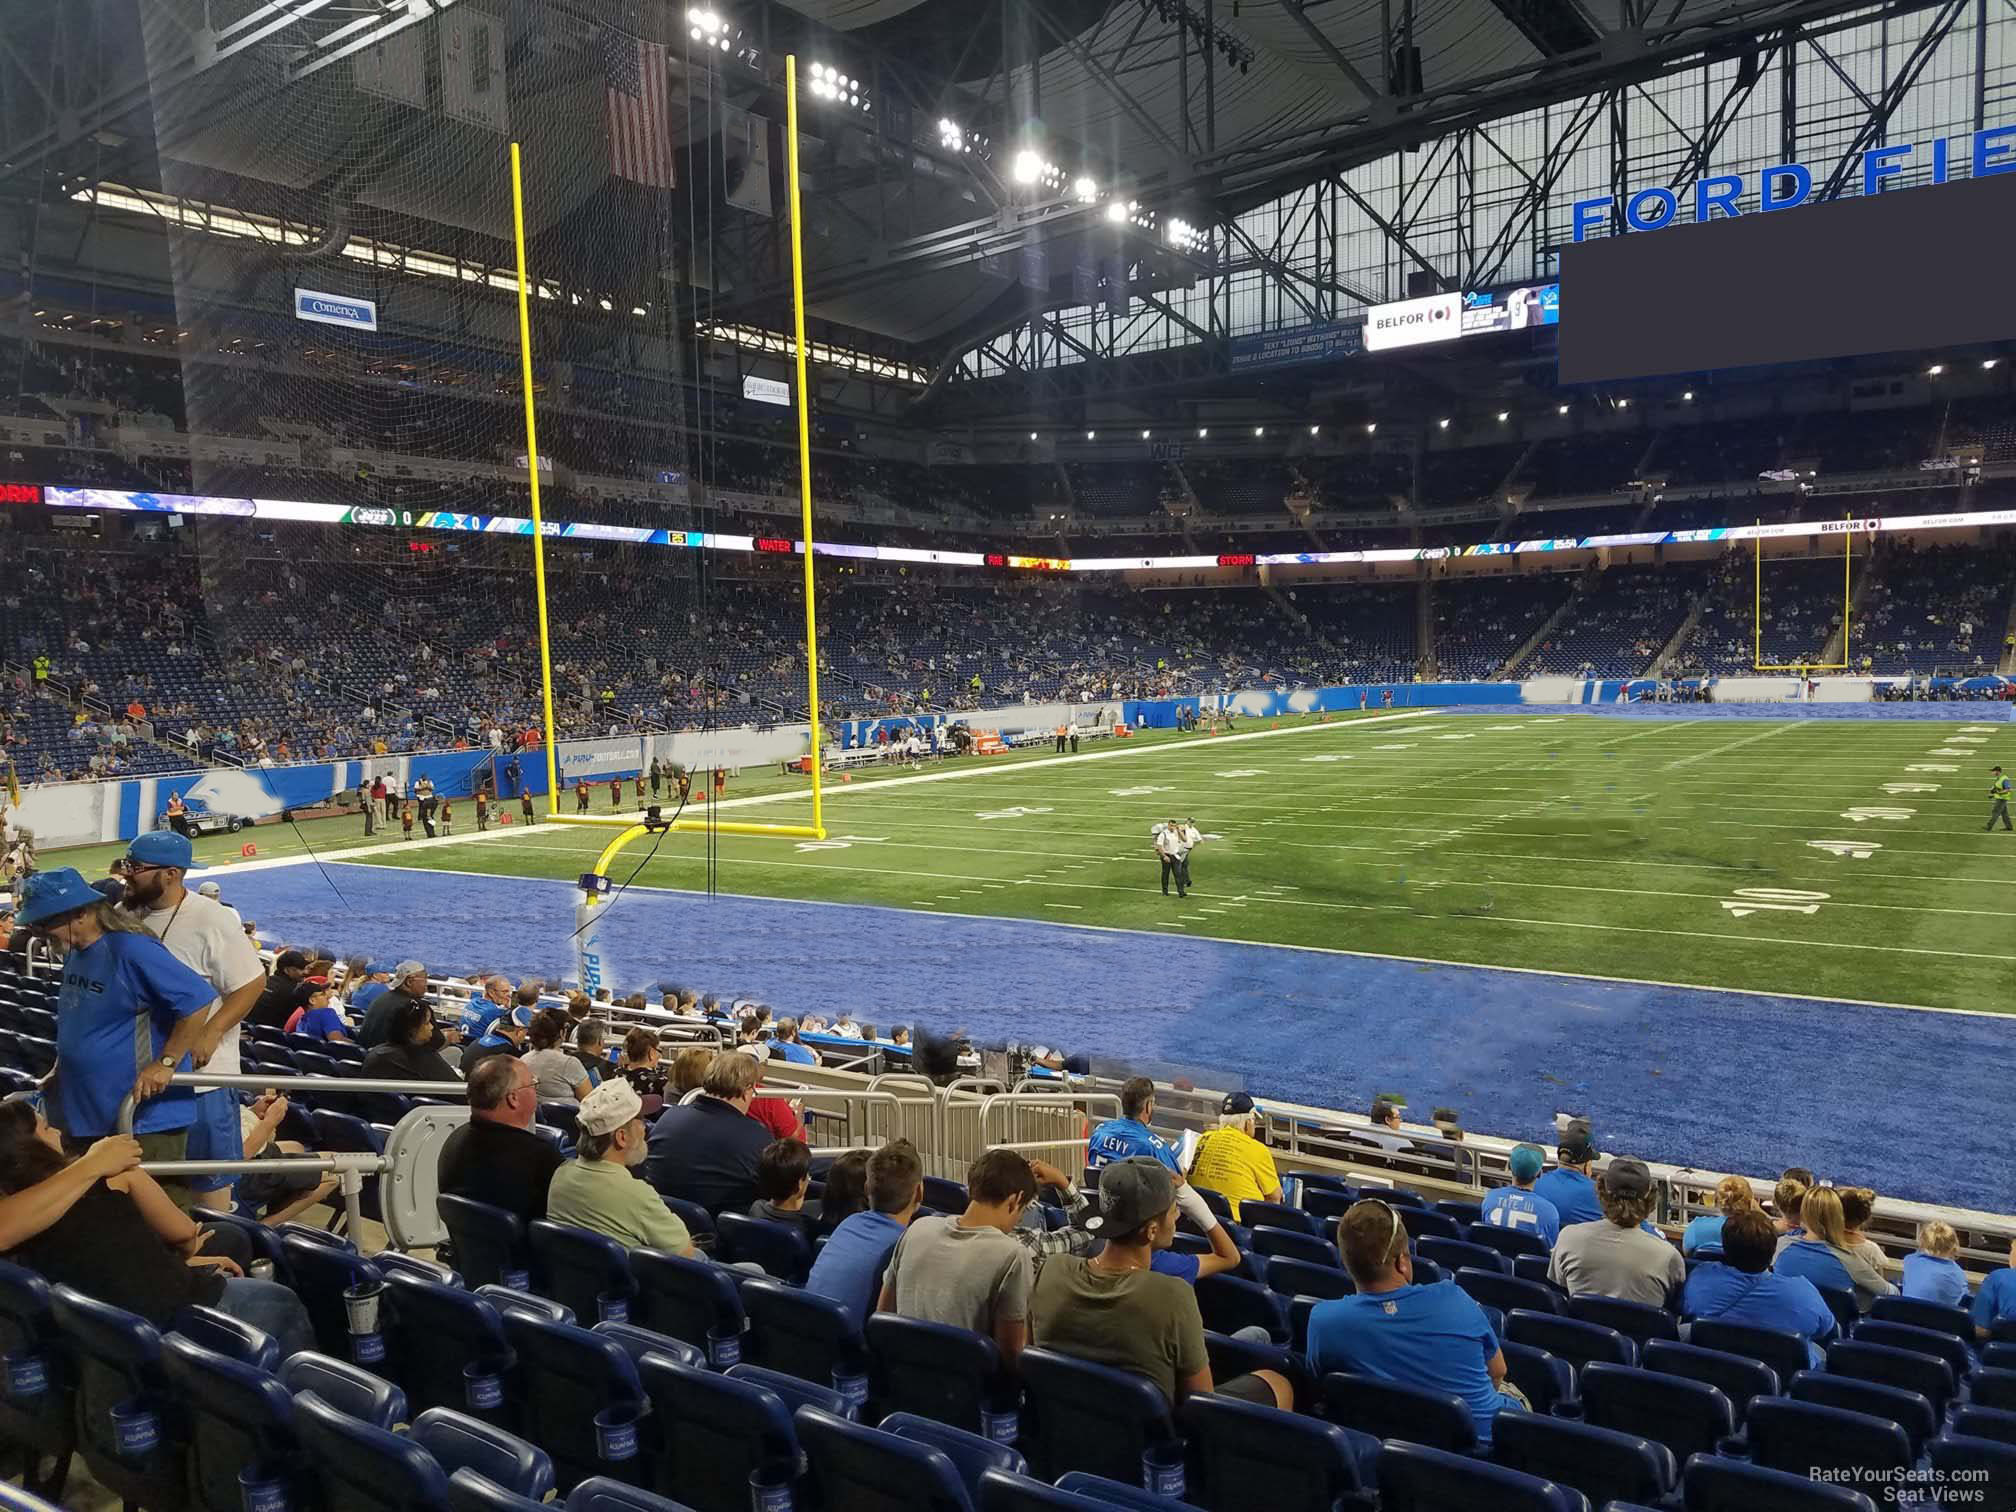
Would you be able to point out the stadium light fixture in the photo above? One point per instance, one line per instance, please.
(1116, 212)
(1562, 410)
(1503, 416)
(1185, 237)
(1371, 427)
(1032, 435)
(1202, 432)
(1027, 168)
(1988, 363)
(958, 141)
(829, 83)
(1259, 430)
(1936, 369)
(1091, 435)
(1623, 404)
(1688, 396)
(1085, 189)
(1315, 429)
(1144, 435)
(1443, 423)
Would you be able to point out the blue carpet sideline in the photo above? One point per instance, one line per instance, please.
(1723, 1080)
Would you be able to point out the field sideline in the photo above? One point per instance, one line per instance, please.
(1809, 857)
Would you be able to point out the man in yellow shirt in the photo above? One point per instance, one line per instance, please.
(1231, 1162)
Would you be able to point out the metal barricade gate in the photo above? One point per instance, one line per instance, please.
(1050, 1126)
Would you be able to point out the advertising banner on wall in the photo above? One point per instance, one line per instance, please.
(1413, 322)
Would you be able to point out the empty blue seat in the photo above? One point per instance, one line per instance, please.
(1986, 1465)
(1456, 1254)
(1082, 1416)
(1002, 1492)
(971, 1455)
(1920, 1313)
(227, 1336)
(389, 1261)
(118, 1363)
(1535, 1268)
(808, 1336)
(37, 1410)
(1907, 1409)
(444, 1346)
(1840, 1301)
(1509, 1242)
(1327, 1204)
(348, 1388)
(1392, 1410)
(715, 1432)
(1255, 1213)
(1986, 1422)
(1245, 1455)
(1688, 1416)
(951, 1375)
(1547, 1383)
(1737, 1377)
(1805, 1437)
(699, 1222)
(1634, 1320)
(1465, 1213)
(1887, 1366)
(1995, 1388)
(507, 1299)
(1784, 1352)
(944, 1194)
(1932, 1341)
(586, 1272)
(1604, 1464)
(694, 1300)
(1508, 1292)
(1418, 1478)
(458, 1441)
(1425, 1223)
(601, 1494)
(1230, 1303)
(321, 1272)
(780, 1248)
(1299, 1278)
(489, 1242)
(639, 1342)
(578, 1397)
(1731, 1485)
(1294, 1244)
(240, 1419)
(860, 1469)
(362, 1468)
(1570, 1339)
(1999, 1355)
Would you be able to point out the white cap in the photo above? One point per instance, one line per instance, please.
(609, 1107)
(209, 889)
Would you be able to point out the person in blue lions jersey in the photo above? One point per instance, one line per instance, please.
(1996, 1301)
(1742, 1287)
(127, 1016)
(1569, 1186)
(1129, 1135)
(1932, 1272)
(1518, 1206)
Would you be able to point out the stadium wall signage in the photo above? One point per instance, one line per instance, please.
(336, 310)
(1788, 185)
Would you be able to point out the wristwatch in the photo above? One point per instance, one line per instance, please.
(168, 1061)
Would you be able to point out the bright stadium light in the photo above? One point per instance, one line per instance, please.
(1185, 237)
(1032, 435)
(1116, 212)
(1028, 167)
(1084, 189)
(1562, 411)
(1202, 432)
(1688, 396)
(829, 83)
(1503, 416)
(1144, 435)
(1623, 404)
(1259, 430)
(1314, 429)
(1091, 435)
(1372, 428)
(1936, 369)
(1988, 363)
(1443, 423)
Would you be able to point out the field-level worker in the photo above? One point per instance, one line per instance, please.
(1998, 791)
(1187, 839)
(1167, 839)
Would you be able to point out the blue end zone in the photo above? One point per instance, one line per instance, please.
(1724, 1080)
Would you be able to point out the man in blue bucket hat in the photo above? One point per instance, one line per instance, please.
(127, 1016)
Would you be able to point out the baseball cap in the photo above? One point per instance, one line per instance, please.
(406, 969)
(1235, 1103)
(377, 968)
(289, 960)
(1627, 1178)
(1577, 1143)
(1526, 1161)
(520, 1018)
(609, 1107)
(47, 894)
(161, 848)
(1131, 1193)
(209, 889)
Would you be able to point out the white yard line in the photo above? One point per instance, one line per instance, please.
(1732, 746)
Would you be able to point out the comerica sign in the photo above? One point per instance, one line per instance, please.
(1789, 184)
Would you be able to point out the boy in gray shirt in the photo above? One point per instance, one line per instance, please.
(1614, 1256)
(969, 1271)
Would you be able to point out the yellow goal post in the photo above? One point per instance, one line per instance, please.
(1757, 607)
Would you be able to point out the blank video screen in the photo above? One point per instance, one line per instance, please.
(1926, 267)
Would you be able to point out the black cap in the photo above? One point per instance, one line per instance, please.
(290, 960)
(1627, 1178)
(1235, 1103)
(1578, 1145)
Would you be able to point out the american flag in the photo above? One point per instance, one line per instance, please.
(640, 148)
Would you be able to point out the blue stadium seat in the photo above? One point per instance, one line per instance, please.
(223, 1334)
(585, 1272)
(15, 1499)
(469, 1492)
(1509, 1292)
(1737, 1377)
(1299, 1278)
(489, 1242)
(601, 1494)
(1327, 1204)
(804, 1335)
(1294, 1244)
(1117, 1493)
(389, 1261)
(362, 1468)
(1907, 1409)
(950, 1375)
(1604, 1464)
(1460, 1254)
(1985, 1422)
(780, 1248)
(1920, 1313)
(1082, 1416)
(507, 1299)
(262, 1239)
(944, 1194)
(1548, 1383)
(639, 1342)
(1231, 1357)
(1465, 1213)
(1570, 1339)
(860, 1469)
(1634, 1320)
(715, 1432)
(1535, 1268)
(1418, 1478)
(971, 1455)
(1688, 1417)
(1391, 1410)
(1709, 1484)
(445, 1346)
(1999, 1356)
(794, 1393)
(458, 1441)
(37, 1414)
(1804, 1437)
(1230, 1303)
(1245, 1455)
(1988, 1465)
(1932, 1341)
(1784, 1352)
(1397, 1196)
(1840, 1301)
(240, 1418)
(320, 1273)
(1425, 1223)
(699, 1222)
(694, 1300)
(1001, 1492)
(1887, 1366)
(1254, 1213)
(118, 1363)
(1994, 1388)
(350, 1389)
(568, 1377)
(1509, 1242)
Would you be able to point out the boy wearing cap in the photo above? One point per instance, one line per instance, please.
(596, 1191)
(1231, 1162)
(1569, 1186)
(1114, 1309)
(1519, 1206)
(1614, 1256)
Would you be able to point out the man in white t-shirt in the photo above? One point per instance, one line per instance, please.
(210, 940)
(215, 894)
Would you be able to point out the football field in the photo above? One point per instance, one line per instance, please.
(1804, 855)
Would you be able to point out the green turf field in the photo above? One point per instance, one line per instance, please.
(1679, 850)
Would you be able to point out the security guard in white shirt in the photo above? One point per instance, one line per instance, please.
(1170, 848)
(1187, 839)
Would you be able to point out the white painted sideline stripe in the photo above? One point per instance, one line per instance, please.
(1733, 745)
